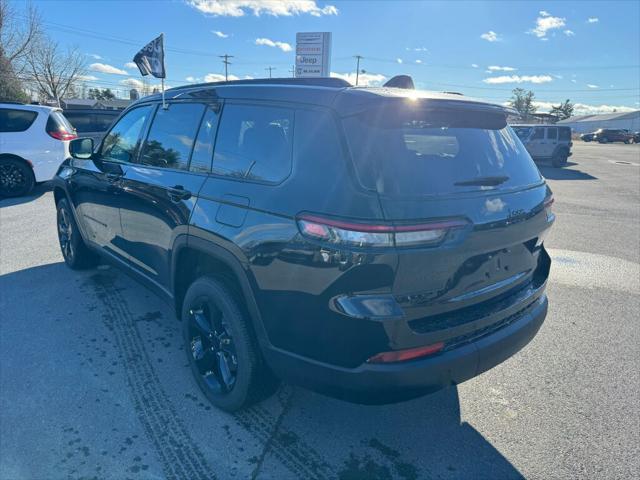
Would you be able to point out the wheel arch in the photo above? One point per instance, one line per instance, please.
(194, 257)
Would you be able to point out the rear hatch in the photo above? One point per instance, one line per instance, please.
(461, 165)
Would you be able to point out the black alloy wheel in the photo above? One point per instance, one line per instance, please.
(16, 178)
(212, 347)
(74, 251)
(221, 346)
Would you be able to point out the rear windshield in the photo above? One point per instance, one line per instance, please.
(407, 151)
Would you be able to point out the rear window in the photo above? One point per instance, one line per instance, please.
(405, 151)
(12, 120)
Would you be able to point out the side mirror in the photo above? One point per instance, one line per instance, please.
(81, 148)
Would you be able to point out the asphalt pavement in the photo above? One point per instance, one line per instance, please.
(94, 381)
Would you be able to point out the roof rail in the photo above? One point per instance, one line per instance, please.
(315, 82)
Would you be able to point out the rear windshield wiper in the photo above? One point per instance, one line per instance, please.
(483, 181)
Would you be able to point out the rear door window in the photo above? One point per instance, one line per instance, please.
(538, 134)
(203, 149)
(405, 152)
(171, 136)
(552, 133)
(122, 142)
(564, 133)
(13, 120)
(254, 142)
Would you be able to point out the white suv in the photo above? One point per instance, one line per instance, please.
(34, 141)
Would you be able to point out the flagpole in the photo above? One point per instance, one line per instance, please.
(164, 105)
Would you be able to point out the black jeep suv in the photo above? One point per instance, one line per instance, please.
(374, 244)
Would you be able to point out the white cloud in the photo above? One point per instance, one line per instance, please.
(364, 79)
(569, 33)
(418, 61)
(584, 108)
(104, 68)
(545, 23)
(133, 83)
(496, 68)
(559, 77)
(591, 85)
(130, 65)
(399, 60)
(518, 79)
(248, 77)
(593, 20)
(220, 34)
(573, 80)
(285, 47)
(216, 77)
(87, 78)
(276, 8)
(474, 65)
(421, 49)
(192, 79)
(490, 36)
(94, 55)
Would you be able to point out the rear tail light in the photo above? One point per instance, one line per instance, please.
(62, 134)
(375, 235)
(404, 355)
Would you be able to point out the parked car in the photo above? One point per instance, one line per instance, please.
(587, 137)
(91, 122)
(605, 135)
(34, 140)
(546, 142)
(343, 239)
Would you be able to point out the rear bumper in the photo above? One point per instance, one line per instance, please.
(375, 384)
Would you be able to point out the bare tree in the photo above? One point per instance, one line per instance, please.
(55, 72)
(19, 33)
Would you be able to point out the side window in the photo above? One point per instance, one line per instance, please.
(538, 134)
(254, 142)
(564, 133)
(122, 141)
(16, 120)
(552, 133)
(171, 136)
(203, 148)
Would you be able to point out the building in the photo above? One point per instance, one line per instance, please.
(84, 103)
(590, 123)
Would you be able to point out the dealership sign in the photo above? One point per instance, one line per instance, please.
(313, 54)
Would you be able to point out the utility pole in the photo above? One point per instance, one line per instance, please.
(292, 70)
(270, 68)
(226, 65)
(358, 58)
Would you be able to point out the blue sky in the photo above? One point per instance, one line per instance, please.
(586, 51)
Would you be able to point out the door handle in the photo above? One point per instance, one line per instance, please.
(178, 193)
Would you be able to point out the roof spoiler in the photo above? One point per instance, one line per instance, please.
(401, 81)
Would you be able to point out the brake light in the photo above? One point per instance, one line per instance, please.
(404, 355)
(62, 135)
(375, 235)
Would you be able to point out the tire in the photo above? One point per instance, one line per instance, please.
(627, 142)
(75, 252)
(16, 178)
(603, 140)
(221, 347)
(559, 159)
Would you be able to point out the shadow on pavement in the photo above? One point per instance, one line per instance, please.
(553, 173)
(300, 433)
(39, 190)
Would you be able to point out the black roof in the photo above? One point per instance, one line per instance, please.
(333, 92)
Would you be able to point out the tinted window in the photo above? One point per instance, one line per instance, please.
(123, 139)
(16, 120)
(538, 134)
(552, 133)
(203, 148)
(401, 151)
(254, 142)
(564, 133)
(81, 122)
(171, 136)
(101, 123)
